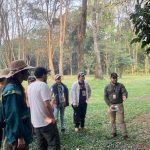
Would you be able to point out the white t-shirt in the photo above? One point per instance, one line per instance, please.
(38, 92)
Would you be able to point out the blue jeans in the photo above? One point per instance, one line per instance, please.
(60, 109)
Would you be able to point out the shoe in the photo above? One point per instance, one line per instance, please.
(82, 128)
(125, 137)
(76, 129)
(62, 129)
(114, 135)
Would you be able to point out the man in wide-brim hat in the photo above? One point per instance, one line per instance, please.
(18, 66)
(18, 129)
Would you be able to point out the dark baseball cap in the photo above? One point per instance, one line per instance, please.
(81, 74)
(114, 75)
(40, 71)
(57, 76)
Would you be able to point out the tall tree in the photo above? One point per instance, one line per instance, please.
(81, 35)
(7, 55)
(63, 23)
(98, 67)
(46, 10)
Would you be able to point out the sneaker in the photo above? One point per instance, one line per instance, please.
(76, 129)
(114, 135)
(62, 129)
(125, 137)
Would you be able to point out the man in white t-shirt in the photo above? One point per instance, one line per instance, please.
(41, 112)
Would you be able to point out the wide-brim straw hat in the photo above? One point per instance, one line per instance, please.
(4, 73)
(17, 66)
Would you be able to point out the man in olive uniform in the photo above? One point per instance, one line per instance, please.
(115, 94)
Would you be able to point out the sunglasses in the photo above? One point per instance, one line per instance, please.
(58, 78)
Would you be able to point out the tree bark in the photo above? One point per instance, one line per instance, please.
(81, 35)
(61, 41)
(63, 23)
(50, 50)
(98, 67)
(146, 64)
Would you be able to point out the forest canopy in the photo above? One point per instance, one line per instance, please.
(68, 36)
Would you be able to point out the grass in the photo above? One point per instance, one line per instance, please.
(97, 136)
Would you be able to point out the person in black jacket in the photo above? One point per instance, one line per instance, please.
(60, 99)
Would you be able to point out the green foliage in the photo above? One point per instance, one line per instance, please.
(141, 21)
(89, 62)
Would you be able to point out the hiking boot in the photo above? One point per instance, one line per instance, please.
(76, 129)
(114, 135)
(125, 137)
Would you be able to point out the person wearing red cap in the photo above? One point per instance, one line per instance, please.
(81, 92)
(115, 94)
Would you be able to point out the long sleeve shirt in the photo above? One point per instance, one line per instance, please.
(61, 93)
(118, 90)
(16, 114)
(75, 92)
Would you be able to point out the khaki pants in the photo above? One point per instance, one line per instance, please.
(120, 117)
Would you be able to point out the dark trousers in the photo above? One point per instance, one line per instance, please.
(48, 137)
(79, 115)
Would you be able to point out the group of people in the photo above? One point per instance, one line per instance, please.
(38, 107)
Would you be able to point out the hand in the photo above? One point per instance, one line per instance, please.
(21, 143)
(111, 107)
(65, 104)
(53, 121)
(124, 98)
(75, 106)
(50, 120)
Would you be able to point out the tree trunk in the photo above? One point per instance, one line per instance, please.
(63, 22)
(61, 41)
(7, 44)
(146, 64)
(98, 67)
(50, 50)
(81, 35)
(18, 28)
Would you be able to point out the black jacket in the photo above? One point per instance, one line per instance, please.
(55, 92)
